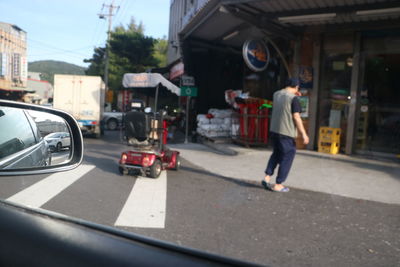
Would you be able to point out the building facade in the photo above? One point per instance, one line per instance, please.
(346, 53)
(13, 61)
(181, 12)
(42, 91)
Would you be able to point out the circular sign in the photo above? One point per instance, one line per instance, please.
(256, 55)
(364, 109)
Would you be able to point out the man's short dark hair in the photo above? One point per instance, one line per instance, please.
(292, 82)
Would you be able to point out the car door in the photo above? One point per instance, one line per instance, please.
(21, 145)
(66, 140)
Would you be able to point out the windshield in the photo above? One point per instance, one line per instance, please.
(274, 136)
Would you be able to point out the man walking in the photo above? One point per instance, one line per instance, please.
(284, 124)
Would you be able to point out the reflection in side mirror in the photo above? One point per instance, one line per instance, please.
(147, 110)
(36, 138)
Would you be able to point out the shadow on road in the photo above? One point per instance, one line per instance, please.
(104, 164)
(243, 183)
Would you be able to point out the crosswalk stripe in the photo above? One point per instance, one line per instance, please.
(41, 192)
(146, 204)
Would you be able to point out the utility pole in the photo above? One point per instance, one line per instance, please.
(106, 54)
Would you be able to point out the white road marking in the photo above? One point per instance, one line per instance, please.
(41, 192)
(146, 204)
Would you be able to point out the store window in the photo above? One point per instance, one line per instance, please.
(334, 92)
(379, 105)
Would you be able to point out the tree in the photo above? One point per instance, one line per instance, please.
(160, 51)
(135, 47)
(130, 51)
(96, 66)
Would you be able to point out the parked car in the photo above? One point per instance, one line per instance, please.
(58, 141)
(112, 120)
(21, 145)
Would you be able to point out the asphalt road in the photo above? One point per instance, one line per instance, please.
(218, 214)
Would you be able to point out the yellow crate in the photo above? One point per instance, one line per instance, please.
(329, 135)
(330, 148)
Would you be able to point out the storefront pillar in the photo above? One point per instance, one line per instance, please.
(353, 95)
(315, 91)
(296, 58)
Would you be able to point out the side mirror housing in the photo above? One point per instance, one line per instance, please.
(31, 140)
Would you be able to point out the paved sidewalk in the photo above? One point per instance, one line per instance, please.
(334, 174)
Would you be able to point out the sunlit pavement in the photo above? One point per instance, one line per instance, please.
(341, 175)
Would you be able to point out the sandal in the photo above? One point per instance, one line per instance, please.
(283, 190)
(266, 185)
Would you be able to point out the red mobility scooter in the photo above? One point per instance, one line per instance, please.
(146, 131)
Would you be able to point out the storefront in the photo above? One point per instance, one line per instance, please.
(347, 57)
(378, 123)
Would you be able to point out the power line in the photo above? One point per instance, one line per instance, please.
(117, 13)
(55, 53)
(125, 11)
(59, 49)
(98, 30)
(99, 34)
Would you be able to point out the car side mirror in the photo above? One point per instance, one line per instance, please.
(30, 140)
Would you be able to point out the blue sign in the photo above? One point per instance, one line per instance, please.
(256, 55)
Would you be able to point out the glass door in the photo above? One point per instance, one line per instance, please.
(379, 107)
(334, 92)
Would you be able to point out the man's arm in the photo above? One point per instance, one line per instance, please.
(296, 109)
(299, 124)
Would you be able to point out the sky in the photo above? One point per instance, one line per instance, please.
(68, 30)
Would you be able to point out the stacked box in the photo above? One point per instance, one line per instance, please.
(329, 140)
(220, 125)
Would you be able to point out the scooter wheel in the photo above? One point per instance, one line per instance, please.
(177, 163)
(155, 169)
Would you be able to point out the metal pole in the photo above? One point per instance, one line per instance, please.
(279, 53)
(187, 119)
(106, 54)
(352, 115)
(155, 101)
(106, 65)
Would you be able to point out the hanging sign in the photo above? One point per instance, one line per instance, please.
(177, 70)
(256, 55)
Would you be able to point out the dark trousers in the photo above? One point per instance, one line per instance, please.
(283, 154)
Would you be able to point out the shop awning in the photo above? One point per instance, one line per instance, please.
(17, 89)
(231, 22)
(148, 80)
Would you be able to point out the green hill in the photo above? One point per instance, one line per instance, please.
(50, 67)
